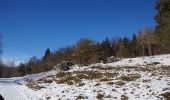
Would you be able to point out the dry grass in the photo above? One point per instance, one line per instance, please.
(81, 84)
(166, 95)
(47, 98)
(103, 68)
(76, 77)
(44, 80)
(123, 97)
(120, 83)
(33, 85)
(70, 80)
(105, 80)
(110, 83)
(97, 84)
(130, 77)
(63, 74)
(146, 81)
(99, 96)
(90, 75)
(80, 97)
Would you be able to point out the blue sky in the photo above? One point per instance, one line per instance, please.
(28, 27)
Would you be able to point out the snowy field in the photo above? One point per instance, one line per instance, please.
(143, 78)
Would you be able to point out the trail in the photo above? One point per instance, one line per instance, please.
(8, 86)
(8, 92)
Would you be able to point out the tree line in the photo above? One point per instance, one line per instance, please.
(145, 42)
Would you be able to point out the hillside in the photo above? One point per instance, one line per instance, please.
(139, 78)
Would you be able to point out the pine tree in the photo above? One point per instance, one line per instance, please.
(22, 70)
(106, 48)
(134, 47)
(47, 54)
(114, 47)
(163, 25)
(123, 48)
(46, 59)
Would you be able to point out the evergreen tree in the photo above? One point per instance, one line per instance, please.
(106, 48)
(47, 54)
(22, 69)
(134, 47)
(123, 48)
(113, 47)
(46, 59)
(163, 25)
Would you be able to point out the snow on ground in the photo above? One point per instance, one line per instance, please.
(162, 59)
(9, 92)
(143, 78)
(10, 88)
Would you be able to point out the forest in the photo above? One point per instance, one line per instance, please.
(146, 42)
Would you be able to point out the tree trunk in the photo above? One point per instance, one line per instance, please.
(143, 49)
(149, 47)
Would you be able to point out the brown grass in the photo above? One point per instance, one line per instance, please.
(166, 95)
(130, 77)
(63, 74)
(103, 68)
(120, 83)
(104, 80)
(70, 80)
(76, 77)
(47, 98)
(146, 81)
(97, 84)
(123, 97)
(80, 97)
(110, 83)
(33, 85)
(99, 96)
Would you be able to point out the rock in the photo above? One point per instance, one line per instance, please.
(64, 65)
(109, 59)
